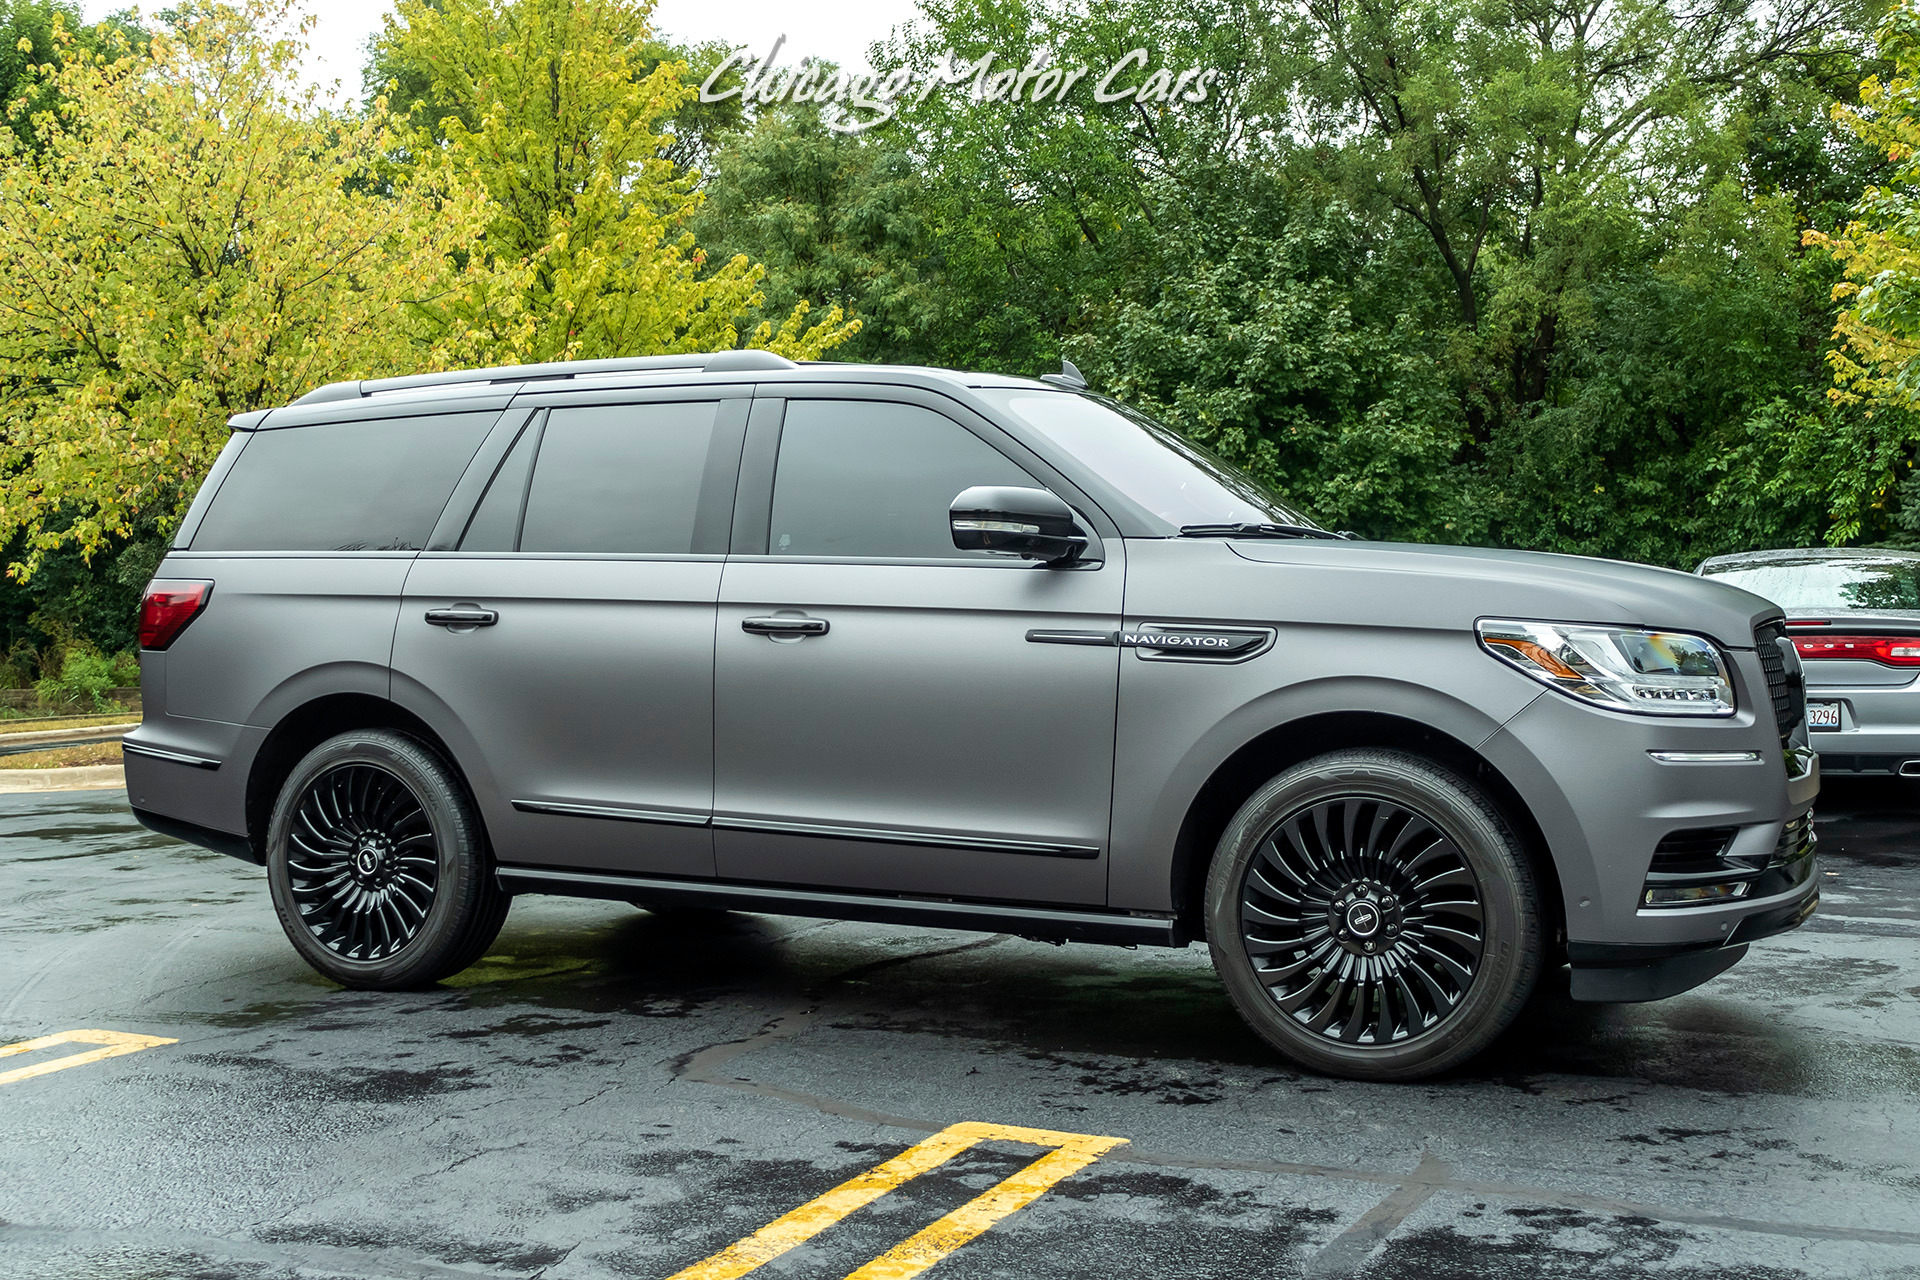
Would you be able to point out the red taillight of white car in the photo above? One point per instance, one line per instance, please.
(167, 608)
(1888, 651)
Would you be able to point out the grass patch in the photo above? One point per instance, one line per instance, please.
(64, 757)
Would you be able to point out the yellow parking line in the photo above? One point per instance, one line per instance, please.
(918, 1252)
(1074, 1151)
(113, 1045)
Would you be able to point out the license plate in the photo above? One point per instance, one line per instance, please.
(1823, 715)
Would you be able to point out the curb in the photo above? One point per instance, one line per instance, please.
(90, 733)
(86, 777)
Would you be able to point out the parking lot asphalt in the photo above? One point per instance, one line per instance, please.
(612, 1093)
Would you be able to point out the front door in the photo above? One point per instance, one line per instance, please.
(566, 649)
(883, 719)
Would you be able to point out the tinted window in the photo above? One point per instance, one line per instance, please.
(1890, 584)
(619, 479)
(496, 521)
(1146, 460)
(346, 486)
(858, 478)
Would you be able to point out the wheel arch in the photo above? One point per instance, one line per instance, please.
(312, 723)
(1282, 746)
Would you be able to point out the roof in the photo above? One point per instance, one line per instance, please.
(501, 383)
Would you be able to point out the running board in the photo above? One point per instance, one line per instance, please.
(1050, 924)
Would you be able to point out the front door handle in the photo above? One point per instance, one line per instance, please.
(462, 617)
(785, 626)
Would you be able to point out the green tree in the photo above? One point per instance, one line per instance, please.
(835, 216)
(1461, 269)
(28, 42)
(1529, 139)
(184, 244)
(547, 105)
(1877, 364)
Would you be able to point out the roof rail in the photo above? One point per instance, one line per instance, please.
(714, 362)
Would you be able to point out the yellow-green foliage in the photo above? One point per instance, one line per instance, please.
(189, 242)
(1879, 328)
(541, 102)
(192, 238)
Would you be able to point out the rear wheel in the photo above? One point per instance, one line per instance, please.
(378, 865)
(1373, 916)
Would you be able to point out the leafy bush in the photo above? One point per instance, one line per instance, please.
(85, 676)
(126, 669)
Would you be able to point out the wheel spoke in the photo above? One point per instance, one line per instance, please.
(361, 862)
(1363, 920)
(1358, 1020)
(1248, 911)
(1270, 889)
(1283, 973)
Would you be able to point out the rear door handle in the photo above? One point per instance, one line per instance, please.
(785, 626)
(462, 617)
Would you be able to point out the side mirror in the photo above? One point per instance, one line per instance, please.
(1031, 523)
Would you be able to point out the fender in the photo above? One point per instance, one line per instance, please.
(1153, 793)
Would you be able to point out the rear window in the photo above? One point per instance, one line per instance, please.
(1890, 584)
(346, 486)
(619, 480)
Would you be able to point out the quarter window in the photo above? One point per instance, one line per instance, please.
(867, 479)
(375, 485)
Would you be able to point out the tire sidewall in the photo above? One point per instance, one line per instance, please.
(458, 852)
(1511, 957)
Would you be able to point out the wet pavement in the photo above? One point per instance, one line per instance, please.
(616, 1094)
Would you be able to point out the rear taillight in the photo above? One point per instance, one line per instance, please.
(1888, 651)
(167, 608)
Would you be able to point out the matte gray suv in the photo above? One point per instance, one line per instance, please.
(949, 649)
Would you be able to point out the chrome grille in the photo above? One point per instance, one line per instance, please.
(1787, 692)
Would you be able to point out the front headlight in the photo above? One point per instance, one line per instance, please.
(1660, 673)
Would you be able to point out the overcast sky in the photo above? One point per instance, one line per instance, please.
(840, 30)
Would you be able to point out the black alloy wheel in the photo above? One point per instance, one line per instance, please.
(1373, 915)
(378, 865)
(1363, 920)
(362, 868)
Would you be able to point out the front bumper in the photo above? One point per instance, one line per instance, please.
(1604, 804)
(1605, 974)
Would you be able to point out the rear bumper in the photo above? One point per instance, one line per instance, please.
(191, 772)
(1848, 760)
(193, 833)
(1879, 728)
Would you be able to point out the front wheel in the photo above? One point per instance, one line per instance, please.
(1373, 916)
(378, 864)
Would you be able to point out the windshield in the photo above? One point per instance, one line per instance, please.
(1147, 461)
(1831, 584)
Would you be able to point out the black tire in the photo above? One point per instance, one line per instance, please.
(379, 866)
(1341, 911)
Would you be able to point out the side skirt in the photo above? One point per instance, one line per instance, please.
(1049, 924)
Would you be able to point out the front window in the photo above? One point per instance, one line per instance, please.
(1889, 584)
(1147, 461)
(866, 479)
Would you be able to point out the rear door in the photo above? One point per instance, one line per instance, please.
(564, 647)
(891, 714)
